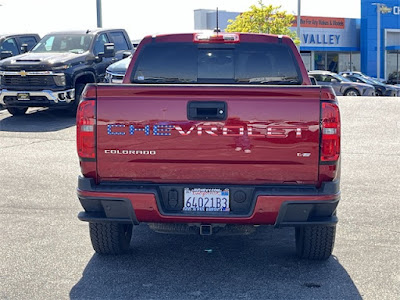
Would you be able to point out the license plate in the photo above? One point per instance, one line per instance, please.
(23, 96)
(206, 199)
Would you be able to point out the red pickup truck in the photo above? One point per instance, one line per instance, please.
(206, 134)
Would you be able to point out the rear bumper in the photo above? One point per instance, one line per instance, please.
(269, 205)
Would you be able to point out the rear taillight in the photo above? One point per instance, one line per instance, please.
(330, 127)
(86, 128)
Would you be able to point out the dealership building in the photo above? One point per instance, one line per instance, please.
(368, 44)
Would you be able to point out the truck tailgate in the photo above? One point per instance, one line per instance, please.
(172, 134)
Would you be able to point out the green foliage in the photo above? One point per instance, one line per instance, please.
(264, 19)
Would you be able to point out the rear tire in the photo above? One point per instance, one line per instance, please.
(315, 242)
(110, 238)
(78, 92)
(17, 111)
(74, 105)
(352, 92)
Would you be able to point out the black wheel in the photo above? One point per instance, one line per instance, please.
(315, 241)
(78, 92)
(74, 105)
(110, 238)
(378, 93)
(351, 92)
(17, 111)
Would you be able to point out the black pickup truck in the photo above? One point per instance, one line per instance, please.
(15, 44)
(55, 71)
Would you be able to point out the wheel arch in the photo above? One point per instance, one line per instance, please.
(84, 78)
(351, 89)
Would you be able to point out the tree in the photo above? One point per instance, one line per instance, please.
(264, 19)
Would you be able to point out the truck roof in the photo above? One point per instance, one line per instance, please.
(8, 35)
(86, 31)
(202, 37)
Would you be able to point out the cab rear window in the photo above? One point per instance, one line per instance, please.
(244, 63)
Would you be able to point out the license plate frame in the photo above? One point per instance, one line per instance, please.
(206, 200)
(23, 97)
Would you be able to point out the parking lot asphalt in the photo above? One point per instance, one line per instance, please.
(45, 252)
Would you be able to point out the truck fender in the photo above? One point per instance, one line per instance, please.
(85, 77)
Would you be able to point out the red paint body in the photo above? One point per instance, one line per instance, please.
(271, 136)
(206, 158)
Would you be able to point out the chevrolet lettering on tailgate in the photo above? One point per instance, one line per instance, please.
(166, 130)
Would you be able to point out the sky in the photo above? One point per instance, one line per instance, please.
(143, 17)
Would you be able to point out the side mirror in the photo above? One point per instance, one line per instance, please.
(126, 54)
(24, 48)
(5, 54)
(99, 57)
(109, 50)
(334, 80)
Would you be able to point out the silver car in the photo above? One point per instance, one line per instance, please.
(342, 86)
(381, 89)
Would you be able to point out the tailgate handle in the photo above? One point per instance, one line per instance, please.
(209, 110)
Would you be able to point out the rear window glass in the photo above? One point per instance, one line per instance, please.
(246, 63)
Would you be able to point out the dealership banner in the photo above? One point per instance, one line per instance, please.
(320, 22)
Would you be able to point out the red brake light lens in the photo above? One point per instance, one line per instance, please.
(216, 38)
(86, 128)
(330, 142)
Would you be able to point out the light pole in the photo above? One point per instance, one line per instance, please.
(99, 19)
(380, 8)
(298, 18)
